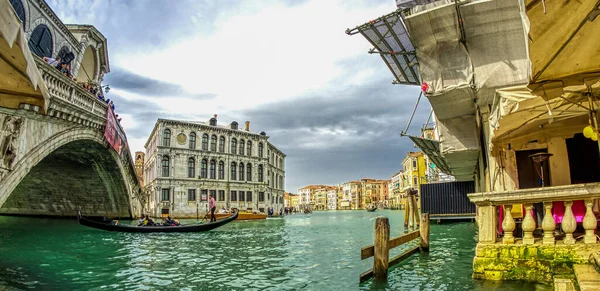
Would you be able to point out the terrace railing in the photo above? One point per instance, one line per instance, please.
(488, 206)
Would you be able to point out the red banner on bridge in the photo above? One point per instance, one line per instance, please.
(112, 132)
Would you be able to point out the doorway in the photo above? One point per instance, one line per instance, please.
(584, 159)
(529, 176)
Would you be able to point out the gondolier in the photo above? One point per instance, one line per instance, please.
(212, 206)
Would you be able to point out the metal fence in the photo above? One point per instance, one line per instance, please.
(448, 200)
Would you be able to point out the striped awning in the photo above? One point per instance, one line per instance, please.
(391, 41)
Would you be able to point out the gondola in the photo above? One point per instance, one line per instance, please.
(131, 228)
(371, 209)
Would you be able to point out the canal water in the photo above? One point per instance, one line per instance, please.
(318, 251)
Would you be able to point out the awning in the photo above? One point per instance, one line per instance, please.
(391, 41)
(21, 81)
(517, 111)
(563, 39)
(432, 149)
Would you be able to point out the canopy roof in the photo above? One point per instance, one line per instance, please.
(21, 82)
(563, 39)
(432, 149)
(391, 41)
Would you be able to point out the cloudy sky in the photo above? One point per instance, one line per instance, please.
(286, 66)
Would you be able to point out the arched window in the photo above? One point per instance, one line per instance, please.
(191, 168)
(233, 171)
(167, 138)
(241, 171)
(241, 153)
(20, 9)
(249, 172)
(213, 122)
(40, 41)
(203, 168)
(233, 145)
(193, 141)
(222, 144)
(213, 166)
(260, 149)
(213, 143)
(260, 173)
(165, 166)
(249, 148)
(205, 142)
(234, 125)
(221, 170)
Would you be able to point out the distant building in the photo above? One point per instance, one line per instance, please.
(332, 197)
(414, 170)
(186, 161)
(139, 166)
(308, 197)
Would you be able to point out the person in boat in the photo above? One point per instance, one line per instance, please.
(171, 222)
(213, 206)
(141, 220)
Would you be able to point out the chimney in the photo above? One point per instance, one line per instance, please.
(247, 126)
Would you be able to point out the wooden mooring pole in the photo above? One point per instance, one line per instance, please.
(424, 232)
(381, 248)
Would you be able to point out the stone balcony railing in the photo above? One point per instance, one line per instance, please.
(70, 100)
(488, 203)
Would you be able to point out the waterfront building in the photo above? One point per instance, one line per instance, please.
(332, 196)
(295, 201)
(396, 189)
(188, 160)
(320, 198)
(517, 116)
(307, 196)
(339, 196)
(356, 194)
(139, 166)
(375, 192)
(414, 170)
(346, 201)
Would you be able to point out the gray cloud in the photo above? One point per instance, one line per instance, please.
(131, 82)
(379, 109)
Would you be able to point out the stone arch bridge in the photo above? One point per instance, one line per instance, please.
(56, 160)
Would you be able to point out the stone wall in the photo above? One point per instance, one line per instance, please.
(529, 262)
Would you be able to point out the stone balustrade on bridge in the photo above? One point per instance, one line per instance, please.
(535, 234)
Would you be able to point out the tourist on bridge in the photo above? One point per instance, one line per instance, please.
(213, 206)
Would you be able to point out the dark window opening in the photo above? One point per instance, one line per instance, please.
(584, 159)
(20, 10)
(40, 42)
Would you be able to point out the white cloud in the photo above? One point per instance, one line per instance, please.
(260, 55)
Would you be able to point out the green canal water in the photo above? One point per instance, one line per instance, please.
(318, 251)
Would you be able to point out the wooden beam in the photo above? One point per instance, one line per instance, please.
(369, 251)
(382, 250)
(401, 257)
(403, 239)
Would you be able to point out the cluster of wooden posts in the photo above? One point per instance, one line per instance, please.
(380, 250)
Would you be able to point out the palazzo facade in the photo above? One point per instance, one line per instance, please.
(186, 161)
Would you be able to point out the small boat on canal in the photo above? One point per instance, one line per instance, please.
(372, 208)
(155, 228)
(242, 216)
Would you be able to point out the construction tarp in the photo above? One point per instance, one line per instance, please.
(459, 145)
(432, 149)
(453, 103)
(496, 38)
(21, 81)
(444, 62)
(563, 39)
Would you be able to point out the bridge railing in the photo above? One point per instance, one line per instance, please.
(561, 205)
(63, 88)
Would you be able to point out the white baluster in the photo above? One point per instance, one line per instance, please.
(528, 226)
(548, 224)
(508, 225)
(589, 223)
(569, 223)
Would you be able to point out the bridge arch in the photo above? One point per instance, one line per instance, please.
(72, 169)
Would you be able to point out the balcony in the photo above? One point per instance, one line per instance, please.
(69, 100)
(535, 252)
